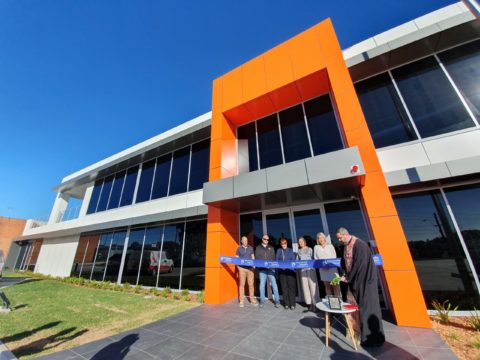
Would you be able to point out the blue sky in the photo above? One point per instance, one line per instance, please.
(82, 80)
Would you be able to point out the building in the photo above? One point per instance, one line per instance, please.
(381, 137)
(9, 229)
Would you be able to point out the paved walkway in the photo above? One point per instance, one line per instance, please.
(232, 333)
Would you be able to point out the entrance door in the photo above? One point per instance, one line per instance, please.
(278, 225)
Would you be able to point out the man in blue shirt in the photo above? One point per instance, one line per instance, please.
(265, 251)
(245, 251)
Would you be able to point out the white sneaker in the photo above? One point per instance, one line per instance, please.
(242, 304)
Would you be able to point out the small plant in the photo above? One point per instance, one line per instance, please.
(454, 336)
(474, 320)
(127, 286)
(201, 297)
(336, 280)
(476, 342)
(443, 310)
(117, 287)
(177, 296)
(154, 291)
(166, 292)
(138, 289)
(185, 295)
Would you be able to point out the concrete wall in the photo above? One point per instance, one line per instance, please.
(9, 229)
(56, 256)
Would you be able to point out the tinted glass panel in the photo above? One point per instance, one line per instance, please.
(386, 118)
(251, 227)
(465, 203)
(151, 254)
(129, 186)
(116, 190)
(105, 195)
(307, 224)
(322, 125)
(172, 250)
(132, 256)
(430, 98)
(179, 177)
(193, 273)
(199, 167)
(79, 256)
(115, 256)
(463, 65)
(269, 142)
(146, 177)
(162, 174)
(247, 148)
(89, 257)
(436, 250)
(278, 226)
(92, 205)
(294, 134)
(98, 269)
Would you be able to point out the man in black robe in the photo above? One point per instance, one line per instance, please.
(361, 276)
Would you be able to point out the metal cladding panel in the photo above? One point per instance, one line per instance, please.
(454, 147)
(464, 166)
(56, 256)
(403, 157)
(218, 190)
(250, 183)
(287, 176)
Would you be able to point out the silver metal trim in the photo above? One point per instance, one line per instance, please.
(183, 252)
(124, 255)
(308, 130)
(280, 136)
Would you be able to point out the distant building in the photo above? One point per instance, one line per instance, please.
(382, 137)
(9, 229)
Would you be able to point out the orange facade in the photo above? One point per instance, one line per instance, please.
(306, 66)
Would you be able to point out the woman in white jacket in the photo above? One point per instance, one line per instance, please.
(325, 250)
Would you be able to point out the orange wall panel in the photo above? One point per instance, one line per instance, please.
(278, 68)
(253, 78)
(306, 54)
(232, 89)
(375, 188)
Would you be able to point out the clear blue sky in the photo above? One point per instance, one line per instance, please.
(83, 79)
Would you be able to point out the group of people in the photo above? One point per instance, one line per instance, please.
(358, 270)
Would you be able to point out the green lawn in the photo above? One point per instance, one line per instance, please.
(50, 316)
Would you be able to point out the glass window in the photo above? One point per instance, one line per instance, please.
(116, 190)
(307, 224)
(251, 226)
(162, 174)
(193, 272)
(115, 256)
(430, 98)
(439, 259)
(32, 261)
(133, 255)
(98, 269)
(179, 177)
(294, 134)
(88, 259)
(247, 148)
(171, 255)
(322, 125)
(199, 167)
(465, 203)
(79, 255)
(463, 65)
(345, 214)
(92, 205)
(150, 256)
(105, 195)
(385, 115)
(146, 177)
(269, 142)
(129, 186)
(278, 226)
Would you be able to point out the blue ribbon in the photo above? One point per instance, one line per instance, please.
(291, 264)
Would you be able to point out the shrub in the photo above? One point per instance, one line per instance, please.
(154, 291)
(166, 292)
(201, 297)
(177, 296)
(443, 310)
(138, 289)
(126, 286)
(474, 320)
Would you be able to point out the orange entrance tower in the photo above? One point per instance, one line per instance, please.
(306, 66)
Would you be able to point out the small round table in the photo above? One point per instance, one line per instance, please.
(323, 306)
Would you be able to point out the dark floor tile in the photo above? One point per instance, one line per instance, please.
(341, 354)
(271, 334)
(305, 339)
(256, 348)
(390, 351)
(426, 338)
(148, 339)
(289, 352)
(241, 328)
(169, 348)
(93, 346)
(171, 329)
(224, 340)
(436, 353)
(399, 338)
(284, 323)
(114, 351)
(203, 353)
(195, 334)
(140, 355)
(232, 356)
(61, 355)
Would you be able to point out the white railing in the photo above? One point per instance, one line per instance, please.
(68, 214)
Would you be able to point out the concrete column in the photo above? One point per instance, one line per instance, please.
(86, 201)
(59, 206)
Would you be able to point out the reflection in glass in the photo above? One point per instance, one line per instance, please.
(115, 256)
(463, 65)
(430, 98)
(269, 142)
(172, 250)
(345, 214)
(80, 255)
(105, 195)
(98, 269)
(92, 205)
(89, 257)
(278, 226)
(465, 203)
(199, 167)
(386, 118)
(439, 259)
(294, 134)
(179, 177)
(129, 186)
(193, 271)
(247, 147)
(322, 125)
(251, 226)
(307, 224)
(146, 177)
(116, 190)
(150, 256)
(162, 175)
(133, 255)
